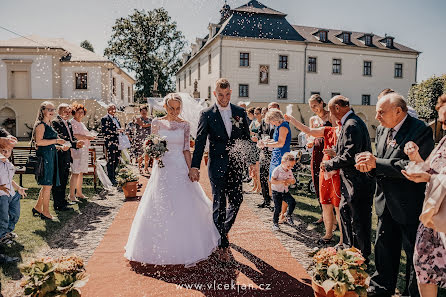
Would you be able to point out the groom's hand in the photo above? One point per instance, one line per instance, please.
(194, 174)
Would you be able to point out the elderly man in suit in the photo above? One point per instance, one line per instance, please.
(64, 131)
(357, 188)
(111, 127)
(398, 201)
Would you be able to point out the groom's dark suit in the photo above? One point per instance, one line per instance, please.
(225, 173)
(398, 204)
(356, 188)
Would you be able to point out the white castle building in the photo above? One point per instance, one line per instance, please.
(267, 59)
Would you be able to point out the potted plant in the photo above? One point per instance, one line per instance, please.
(338, 273)
(54, 277)
(128, 180)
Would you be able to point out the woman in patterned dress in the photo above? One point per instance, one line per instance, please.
(142, 131)
(430, 246)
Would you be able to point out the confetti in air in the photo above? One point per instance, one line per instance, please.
(289, 109)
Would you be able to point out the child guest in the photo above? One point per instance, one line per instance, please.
(9, 198)
(281, 178)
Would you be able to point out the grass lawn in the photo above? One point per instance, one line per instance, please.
(307, 208)
(32, 231)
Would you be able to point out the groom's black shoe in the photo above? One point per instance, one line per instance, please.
(372, 291)
(263, 205)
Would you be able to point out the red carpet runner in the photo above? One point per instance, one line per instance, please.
(263, 267)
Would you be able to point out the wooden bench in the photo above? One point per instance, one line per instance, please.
(20, 155)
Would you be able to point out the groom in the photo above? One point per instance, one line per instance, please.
(223, 123)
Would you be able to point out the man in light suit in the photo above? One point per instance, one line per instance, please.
(398, 201)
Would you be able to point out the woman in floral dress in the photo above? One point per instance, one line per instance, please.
(142, 131)
(430, 251)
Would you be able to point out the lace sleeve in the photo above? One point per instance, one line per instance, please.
(155, 126)
(186, 137)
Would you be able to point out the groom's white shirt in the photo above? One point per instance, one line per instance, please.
(226, 114)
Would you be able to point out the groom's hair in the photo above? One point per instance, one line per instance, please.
(222, 83)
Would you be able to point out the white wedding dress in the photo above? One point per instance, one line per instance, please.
(173, 223)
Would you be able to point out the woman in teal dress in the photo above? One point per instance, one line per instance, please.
(280, 144)
(45, 138)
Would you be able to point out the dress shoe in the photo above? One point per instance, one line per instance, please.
(372, 291)
(4, 259)
(263, 205)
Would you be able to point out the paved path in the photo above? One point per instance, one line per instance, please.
(262, 267)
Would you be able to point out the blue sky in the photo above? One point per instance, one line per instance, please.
(415, 23)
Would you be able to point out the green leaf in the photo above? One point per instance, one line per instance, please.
(328, 285)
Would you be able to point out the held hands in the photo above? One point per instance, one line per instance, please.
(417, 177)
(330, 152)
(80, 144)
(65, 147)
(60, 141)
(412, 151)
(365, 162)
(194, 174)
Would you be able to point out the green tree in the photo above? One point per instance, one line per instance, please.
(423, 96)
(149, 44)
(87, 45)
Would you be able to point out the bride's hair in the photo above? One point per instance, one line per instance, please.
(173, 96)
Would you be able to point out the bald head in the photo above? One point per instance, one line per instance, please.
(274, 105)
(391, 109)
(339, 106)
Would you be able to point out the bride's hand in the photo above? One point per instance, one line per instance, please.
(194, 174)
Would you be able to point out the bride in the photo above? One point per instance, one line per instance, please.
(173, 223)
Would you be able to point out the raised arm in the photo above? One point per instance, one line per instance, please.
(315, 132)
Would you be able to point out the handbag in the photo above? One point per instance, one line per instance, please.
(34, 164)
(124, 142)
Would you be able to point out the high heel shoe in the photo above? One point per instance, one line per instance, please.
(45, 218)
(36, 212)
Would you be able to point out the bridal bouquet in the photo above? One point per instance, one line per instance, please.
(342, 271)
(155, 147)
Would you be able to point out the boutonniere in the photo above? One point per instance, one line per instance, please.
(392, 143)
(237, 121)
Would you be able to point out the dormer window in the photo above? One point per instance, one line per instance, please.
(346, 37)
(368, 40)
(389, 42)
(323, 36)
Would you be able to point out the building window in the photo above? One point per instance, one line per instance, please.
(365, 99)
(336, 66)
(398, 70)
(367, 68)
(185, 79)
(282, 92)
(283, 62)
(368, 40)
(244, 59)
(179, 84)
(243, 91)
(209, 92)
(346, 37)
(190, 77)
(122, 91)
(129, 97)
(323, 36)
(199, 71)
(312, 66)
(81, 81)
(335, 94)
(114, 86)
(315, 93)
(209, 64)
(389, 42)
